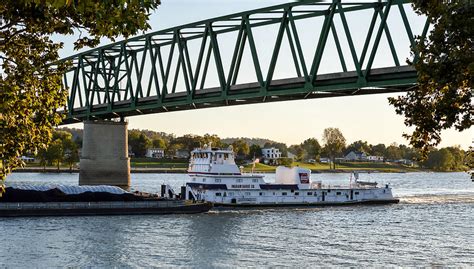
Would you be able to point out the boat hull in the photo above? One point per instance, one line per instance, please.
(102, 208)
(305, 205)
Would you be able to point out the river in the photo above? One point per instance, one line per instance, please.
(433, 225)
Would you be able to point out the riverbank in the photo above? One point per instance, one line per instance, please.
(140, 170)
(270, 169)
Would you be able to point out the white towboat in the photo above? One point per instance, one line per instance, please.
(214, 177)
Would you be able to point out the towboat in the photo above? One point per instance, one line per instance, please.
(214, 177)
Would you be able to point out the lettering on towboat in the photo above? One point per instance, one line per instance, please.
(244, 186)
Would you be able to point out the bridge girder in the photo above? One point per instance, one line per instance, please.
(140, 75)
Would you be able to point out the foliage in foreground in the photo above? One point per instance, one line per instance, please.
(30, 83)
(445, 74)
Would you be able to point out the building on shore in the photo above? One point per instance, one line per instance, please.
(158, 153)
(270, 155)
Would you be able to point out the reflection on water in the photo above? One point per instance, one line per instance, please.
(431, 226)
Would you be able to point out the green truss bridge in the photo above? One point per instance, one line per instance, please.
(299, 50)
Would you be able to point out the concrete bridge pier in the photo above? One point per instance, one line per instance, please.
(104, 156)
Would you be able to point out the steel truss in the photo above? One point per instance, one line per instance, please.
(140, 75)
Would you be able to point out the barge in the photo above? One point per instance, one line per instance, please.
(60, 200)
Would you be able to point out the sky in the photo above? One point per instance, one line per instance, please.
(368, 117)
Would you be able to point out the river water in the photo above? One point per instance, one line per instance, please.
(433, 225)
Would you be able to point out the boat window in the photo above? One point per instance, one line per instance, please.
(329, 191)
(231, 194)
(218, 194)
(338, 193)
(310, 193)
(254, 180)
(315, 194)
(217, 180)
(292, 190)
(248, 193)
(273, 193)
(356, 193)
(297, 193)
(203, 180)
(260, 193)
(283, 193)
(239, 180)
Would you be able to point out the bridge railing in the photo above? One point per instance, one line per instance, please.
(306, 49)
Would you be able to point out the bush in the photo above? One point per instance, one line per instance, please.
(284, 161)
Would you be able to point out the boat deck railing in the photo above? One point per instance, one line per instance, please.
(350, 186)
(91, 205)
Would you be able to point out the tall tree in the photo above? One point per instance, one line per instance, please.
(255, 151)
(30, 84)
(55, 152)
(334, 143)
(393, 152)
(312, 148)
(445, 74)
(71, 154)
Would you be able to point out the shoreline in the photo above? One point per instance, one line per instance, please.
(140, 170)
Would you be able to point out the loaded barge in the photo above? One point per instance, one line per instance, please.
(60, 200)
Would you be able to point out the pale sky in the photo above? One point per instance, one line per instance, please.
(366, 117)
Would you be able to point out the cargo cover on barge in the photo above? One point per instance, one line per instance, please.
(60, 200)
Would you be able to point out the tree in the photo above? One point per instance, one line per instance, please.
(334, 143)
(440, 160)
(71, 153)
(55, 152)
(158, 143)
(312, 148)
(378, 150)
(445, 74)
(459, 158)
(142, 144)
(393, 152)
(298, 151)
(241, 148)
(255, 151)
(213, 140)
(359, 146)
(30, 84)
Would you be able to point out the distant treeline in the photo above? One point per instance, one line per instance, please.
(67, 142)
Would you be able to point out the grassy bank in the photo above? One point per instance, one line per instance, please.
(180, 165)
(343, 167)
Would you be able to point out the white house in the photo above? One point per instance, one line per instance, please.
(270, 155)
(155, 153)
(355, 156)
(376, 159)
